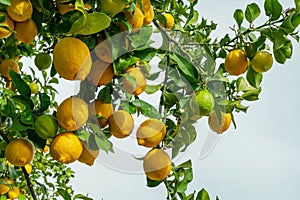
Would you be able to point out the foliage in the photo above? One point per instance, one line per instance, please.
(190, 60)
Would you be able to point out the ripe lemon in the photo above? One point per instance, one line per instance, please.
(9, 23)
(262, 61)
(136, 18)
(169, 23)
(19, 152)
(6, 65)
(148, 12)
(20, 10)
(121, 124)
(72, 113)
(103, 50)
(219, 126)
(13, 193)
(3, 187)
(66, 147)
(205, 102)
(236, 62)
(101, 73)
(157, 164)
(26, 31)
(103, 111)
(151, 132)
(64, 8)
(34, 88)
(72, 59)
(136, 86)
(46, 126)
(42, 61)
(88, 156)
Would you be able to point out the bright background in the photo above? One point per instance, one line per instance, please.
(259, 160)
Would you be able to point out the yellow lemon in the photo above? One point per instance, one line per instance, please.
(88, 156)
(236, 62)
(101, 73)
(13, 193)
(219, 125)
(9, 23)
(169, 23)
(157, 164)
(72, 59)
(72, 113)
(136, 18)
(138, 84)
(66, 147)
(151, 132)
(26, 31)
(3, 187)
(121, 124)
(20, 10)
(19, 152)
(100, 110)
(6, 65)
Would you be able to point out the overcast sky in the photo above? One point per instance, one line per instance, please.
(259, 160)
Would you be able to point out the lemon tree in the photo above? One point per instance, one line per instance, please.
(107, 48)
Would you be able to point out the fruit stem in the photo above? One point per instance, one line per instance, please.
(28, 181)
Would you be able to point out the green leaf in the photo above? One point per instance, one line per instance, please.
(20, 84)
(152, 183)
(83, 135)
(81, 196)
(273, 9)
(151, 89)
(90, 23)
(241, 84)
(18, 126)
(103, 143)
(39, 142)
(64, 194)
(284, 52)
(146, 54)
(253, 78)
(21, 197)
(27, 118)
(238, 16)
(141, 40)
(146, 109)
(186, 164)
(297, 4)
(202, 195)
(5, 2)
(27, 102)
(252, 12)
(45, 102)
(251, 95)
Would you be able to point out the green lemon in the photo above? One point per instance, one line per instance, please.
(42, 61)
(34, 88)
(205, 102)
(262, 61)
(46, 126)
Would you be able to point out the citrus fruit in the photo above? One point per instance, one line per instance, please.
(262, 61)
(169, 23)
(66, 147)
(101, 111)
(121, 124)
(72, 113)
(3, 187)
(13, 193)
(112, 7)
(46, 126)
(34, 88)
(205, 101)
(19, 152)
(148, 12)
(42, 61)
(88, 156)
(28, 168)
(157, 164)
(236, 62)
(9, 23)
(64, 8)
(26, 31)
(134, 81)
(219, 125)
(151, 132)
(136, 18)
(103, 50)
(71, 59)
(20, 10)
(250, 50)
(6, 65)
(101, 73)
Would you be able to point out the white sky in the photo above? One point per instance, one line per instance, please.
(258, 161)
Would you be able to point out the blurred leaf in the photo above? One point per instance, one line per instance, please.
(146, 54)
(241, 84)
(151, 89)
(39, 142)
(45, 102)
(14, 172)
(80, 196)
(64, 194)
(20, 84)
(297, 4)
(202, 195)
(5, 2)
(146, 109)
(124, 63)
(252, 12)
(238, 16)
(103, 143)
(27, 118)
(90, 23)
(273, 9)
(141, 40)
(18, 126)
(83, 135)
(27, 102)
(253, 78)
